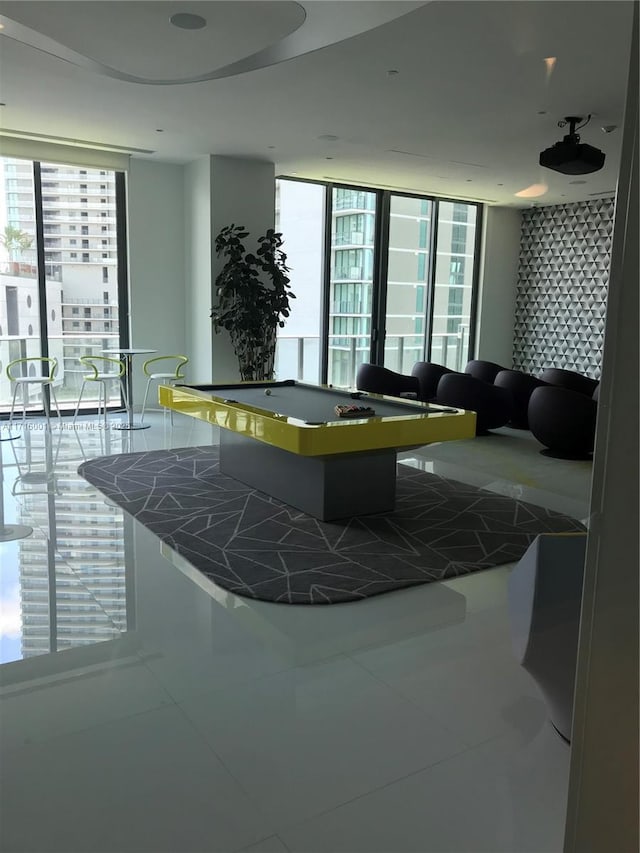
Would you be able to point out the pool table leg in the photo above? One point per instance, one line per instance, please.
(328, 488)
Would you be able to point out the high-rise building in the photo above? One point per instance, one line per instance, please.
(430, 254)
(80, 248)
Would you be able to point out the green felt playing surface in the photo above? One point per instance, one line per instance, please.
(309, 403)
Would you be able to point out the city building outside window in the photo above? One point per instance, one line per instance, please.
(426, 298)
(68, 280)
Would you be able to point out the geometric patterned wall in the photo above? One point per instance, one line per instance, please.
(562, 286)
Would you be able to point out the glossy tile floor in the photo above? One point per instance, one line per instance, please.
(144, 709)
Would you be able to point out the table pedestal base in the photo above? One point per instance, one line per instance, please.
(327, 488)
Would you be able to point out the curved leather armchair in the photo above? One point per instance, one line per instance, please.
(428, 374)
(485, 370)
(569, 379)
(521, 385)
(493, 405)
(564, 421)
(380, 380)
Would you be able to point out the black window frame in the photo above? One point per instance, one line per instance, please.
(43, 265)
(381, 211)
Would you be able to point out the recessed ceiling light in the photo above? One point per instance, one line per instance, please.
(469, 180)
(329, 137)
(159, 130)
(187, 21)
(577, 182)
(392, 72)
(271, 146)
(328, 158)
(500, 185)
(542, 112)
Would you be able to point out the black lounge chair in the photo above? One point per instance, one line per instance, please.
(521, 385)
(485, 370)
(569, 379)
(564, 421)
(380, 380)
(428, 374)
(493, 405)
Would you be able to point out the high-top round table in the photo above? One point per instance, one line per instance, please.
(128, 353)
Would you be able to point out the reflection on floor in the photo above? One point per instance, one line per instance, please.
(144, 709)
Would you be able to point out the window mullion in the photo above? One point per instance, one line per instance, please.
(40, 263)
(431, 279)
(380, 276)
(326, 284)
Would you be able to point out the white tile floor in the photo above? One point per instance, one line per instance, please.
(207, 722)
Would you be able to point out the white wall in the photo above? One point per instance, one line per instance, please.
(156, 261)
(498, 280)
(198, 261)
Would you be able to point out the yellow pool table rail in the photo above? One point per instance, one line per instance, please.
(333, 437)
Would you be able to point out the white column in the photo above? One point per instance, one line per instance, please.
(198, 267)
(155, 205)
(498, 281)
(219, 191)
(243, 193)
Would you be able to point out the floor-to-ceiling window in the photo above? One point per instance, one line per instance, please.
(351, 281)
(384, 277)
(300, 214)
(61, 293)
(407, 291)
(19, 291)
(454, 283)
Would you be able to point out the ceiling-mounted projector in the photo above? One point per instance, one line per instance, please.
(570, 156)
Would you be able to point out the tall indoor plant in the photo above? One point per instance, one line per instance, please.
(253, 298)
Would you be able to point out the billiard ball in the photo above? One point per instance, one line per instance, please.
(267, 392)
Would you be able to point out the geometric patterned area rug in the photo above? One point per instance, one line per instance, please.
(256, 546)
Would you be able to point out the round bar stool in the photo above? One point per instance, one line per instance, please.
(168, 377)
(42, 379)
(103, 376)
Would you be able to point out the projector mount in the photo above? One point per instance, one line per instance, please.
(572, 121)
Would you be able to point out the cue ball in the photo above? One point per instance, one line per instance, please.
(267, 392)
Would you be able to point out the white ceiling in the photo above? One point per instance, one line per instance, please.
(466, 114)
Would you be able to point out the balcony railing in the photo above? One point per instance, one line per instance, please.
(299, 357)
(67, 348)
(86, 300)
(17, 269)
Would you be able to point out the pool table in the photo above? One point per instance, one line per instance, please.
(284, 438)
